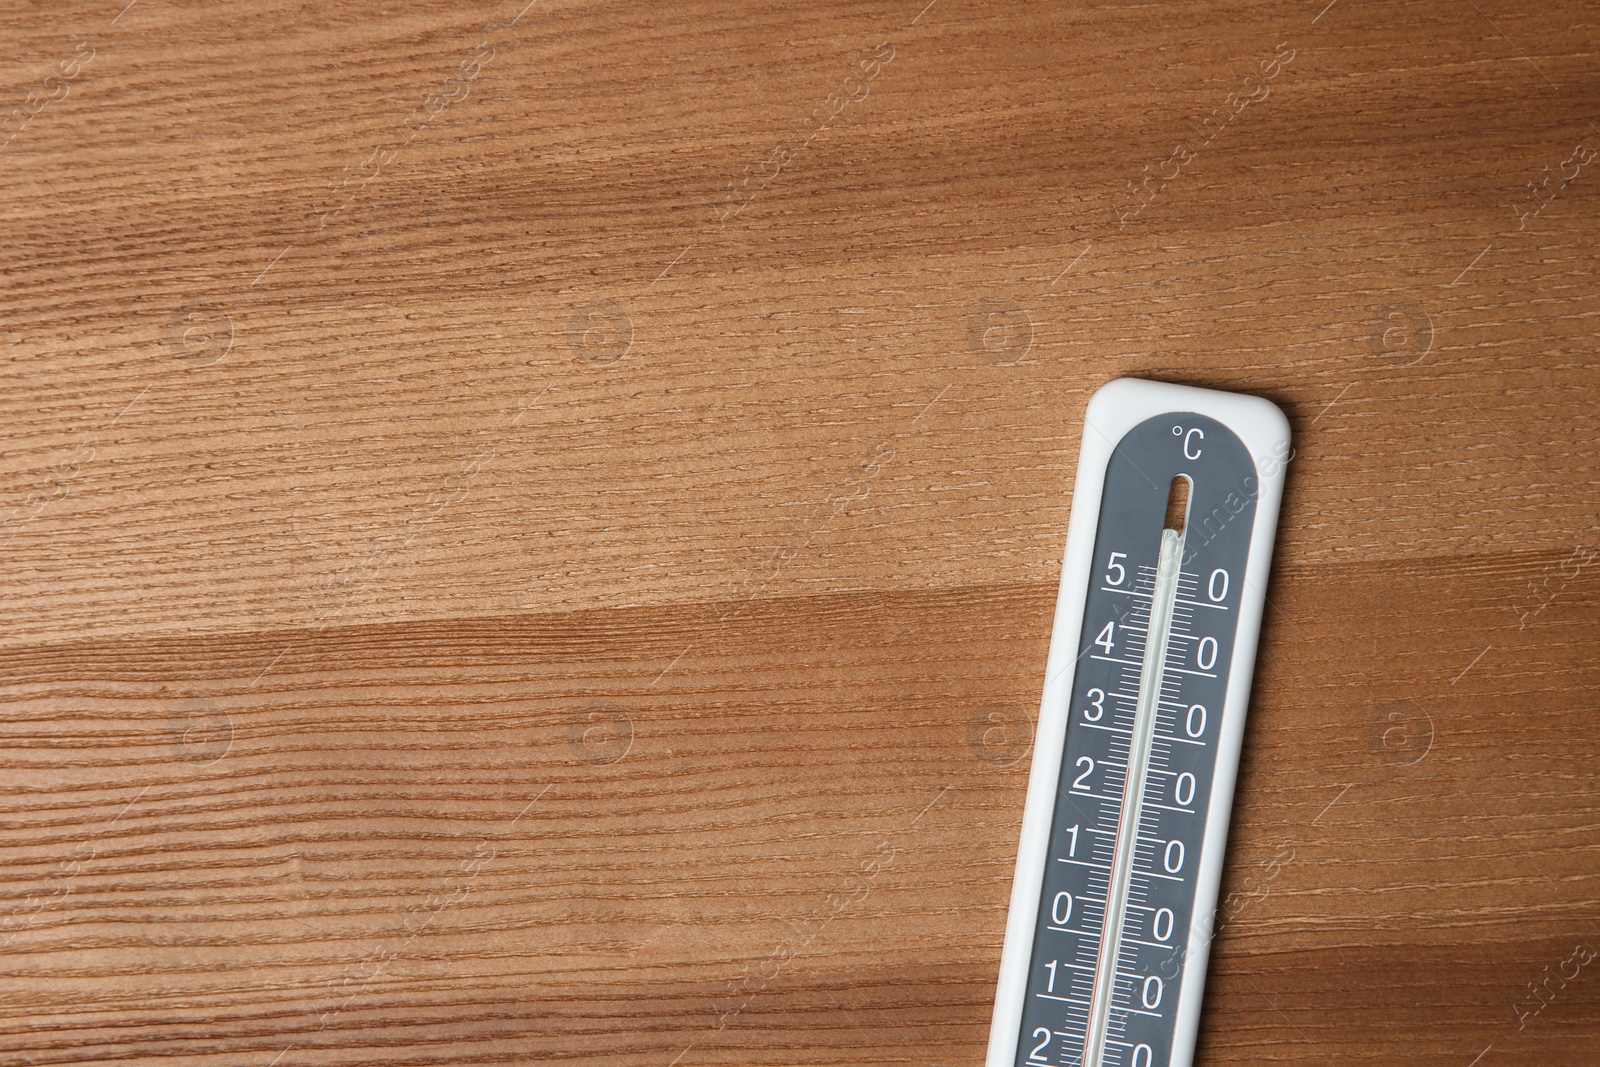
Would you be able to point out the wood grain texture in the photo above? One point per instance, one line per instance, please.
(530, 534)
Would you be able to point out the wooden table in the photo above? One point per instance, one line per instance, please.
(531, 535)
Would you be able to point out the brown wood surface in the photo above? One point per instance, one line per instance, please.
(530, 537)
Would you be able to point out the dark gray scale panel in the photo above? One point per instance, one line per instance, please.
(1066, 943)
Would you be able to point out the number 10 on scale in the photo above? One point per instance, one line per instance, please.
(1121, 851)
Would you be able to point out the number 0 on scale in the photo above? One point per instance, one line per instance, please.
(1173, 518)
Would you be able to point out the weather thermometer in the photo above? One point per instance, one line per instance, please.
(1168, 549)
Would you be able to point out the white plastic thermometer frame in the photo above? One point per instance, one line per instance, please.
(1116, 408)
